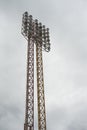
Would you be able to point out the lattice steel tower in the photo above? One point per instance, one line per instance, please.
(37, 34)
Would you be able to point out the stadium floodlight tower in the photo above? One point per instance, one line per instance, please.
(36, 33)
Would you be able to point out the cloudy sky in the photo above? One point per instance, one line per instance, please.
(65, 66)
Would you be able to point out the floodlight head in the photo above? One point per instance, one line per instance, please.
(40, 24)
(35, 30)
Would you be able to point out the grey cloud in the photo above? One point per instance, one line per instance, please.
(7, 109)
(79, 120)
(10, 114)
(64, 67)
(65, 118)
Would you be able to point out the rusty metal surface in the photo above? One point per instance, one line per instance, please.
(40, 89)
(29, 112)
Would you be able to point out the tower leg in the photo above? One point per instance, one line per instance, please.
(40, 89)
(29, 112)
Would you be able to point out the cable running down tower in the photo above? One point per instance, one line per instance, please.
(37, 34)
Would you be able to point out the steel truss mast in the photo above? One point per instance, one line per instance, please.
(37, 34)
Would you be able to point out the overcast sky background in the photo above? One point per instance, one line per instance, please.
(65, 66)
